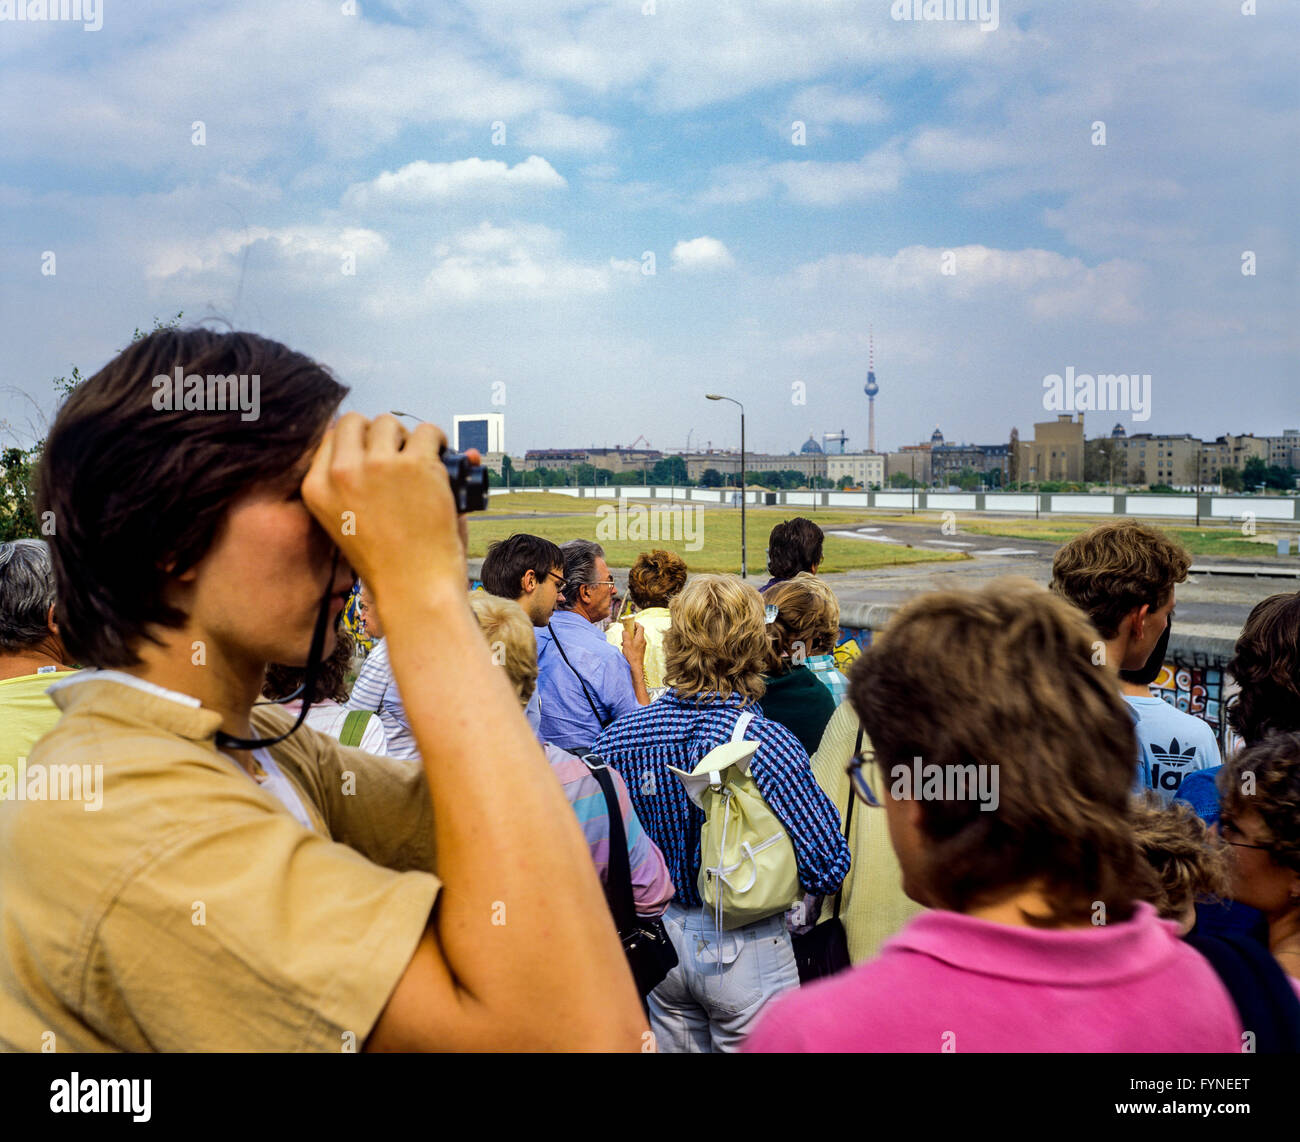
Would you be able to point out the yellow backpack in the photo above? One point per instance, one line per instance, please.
(748, 869)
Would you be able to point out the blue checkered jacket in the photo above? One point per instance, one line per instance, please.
(679, 731)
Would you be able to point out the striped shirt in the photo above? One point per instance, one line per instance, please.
(679, 731)
(376, 690)
(652, 888)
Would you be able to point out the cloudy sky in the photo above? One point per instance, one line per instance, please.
(435, 198)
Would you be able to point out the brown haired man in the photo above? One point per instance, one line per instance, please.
(245, 886)
(1122, 574)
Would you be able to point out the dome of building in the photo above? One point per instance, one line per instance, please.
(810, 445)
(936, 437)
(1118, 432)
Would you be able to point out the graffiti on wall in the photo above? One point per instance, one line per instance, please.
(1201, 688)
(351, 620)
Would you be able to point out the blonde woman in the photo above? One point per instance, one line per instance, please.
(715, 652)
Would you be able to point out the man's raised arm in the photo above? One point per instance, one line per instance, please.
(521, 953)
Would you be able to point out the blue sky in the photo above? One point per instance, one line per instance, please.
(330, 135)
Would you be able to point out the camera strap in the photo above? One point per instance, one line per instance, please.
(314, 655)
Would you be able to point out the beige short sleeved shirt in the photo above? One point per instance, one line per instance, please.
(189, 910)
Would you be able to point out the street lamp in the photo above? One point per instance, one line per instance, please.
(744, 562)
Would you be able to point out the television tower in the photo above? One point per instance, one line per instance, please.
(871, 388)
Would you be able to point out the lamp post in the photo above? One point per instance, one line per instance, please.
(744, 563)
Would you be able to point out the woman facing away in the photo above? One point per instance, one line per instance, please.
(800, 639)
(654, 579)
(1003, 762)
(715, 652)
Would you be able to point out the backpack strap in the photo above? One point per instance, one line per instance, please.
(848, 826)
(742, 724)
(618, 881)
(354, 727)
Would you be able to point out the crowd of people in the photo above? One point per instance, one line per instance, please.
(985, 834)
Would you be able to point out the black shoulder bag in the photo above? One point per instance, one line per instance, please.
(649, 951)
(825, 950)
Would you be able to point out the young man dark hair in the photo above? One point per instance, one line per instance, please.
(284, 885)
(1122, 575)
(527, 569)
(138, 493)
(795, 545)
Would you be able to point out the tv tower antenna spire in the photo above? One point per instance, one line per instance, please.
(871, 388)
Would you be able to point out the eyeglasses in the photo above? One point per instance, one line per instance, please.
(1226, 826)
(857, 771)
(600, 583)
(560, 581)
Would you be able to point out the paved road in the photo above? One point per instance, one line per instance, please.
(1207, 604)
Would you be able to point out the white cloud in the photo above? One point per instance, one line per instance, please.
(554, 131)
(829, 184)
(702, 253)
(689, 55)
(941, 149)
(822, 104)
(1046, 284)
(520, 261)
(809, 183)
(128, 98)
(310, 245)
(421, 183)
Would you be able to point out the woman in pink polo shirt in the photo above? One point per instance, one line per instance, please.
(1003, 761)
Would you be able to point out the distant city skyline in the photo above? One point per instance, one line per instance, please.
(1026, 429)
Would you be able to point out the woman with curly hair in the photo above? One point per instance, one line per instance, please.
(1266, 665)
(654, 579)
(1187, 859)
(1260, 792)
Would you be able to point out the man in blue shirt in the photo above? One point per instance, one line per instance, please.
(583, 682)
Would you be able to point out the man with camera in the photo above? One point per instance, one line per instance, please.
(247, 885)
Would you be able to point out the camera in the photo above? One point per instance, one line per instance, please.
(469, 482)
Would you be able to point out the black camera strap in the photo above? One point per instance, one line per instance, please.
(314, 655)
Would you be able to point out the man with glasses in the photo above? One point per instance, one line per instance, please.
(529, 570)
(584, 683)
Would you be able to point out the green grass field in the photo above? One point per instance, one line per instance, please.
(718, 538)
(721, 549)
(1219, 543)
